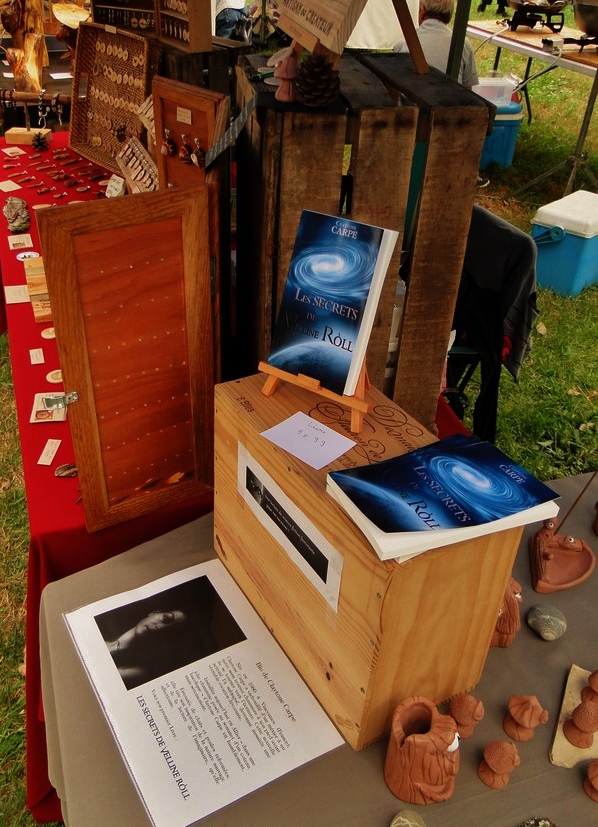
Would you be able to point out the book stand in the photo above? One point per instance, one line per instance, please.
(356, 403)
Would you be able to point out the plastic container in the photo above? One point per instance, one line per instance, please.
(497, 90)
(499, 146)
(566, 235)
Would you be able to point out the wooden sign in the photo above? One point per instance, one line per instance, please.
(330, 22)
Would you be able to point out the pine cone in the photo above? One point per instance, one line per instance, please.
(39, 142)
(316, 83)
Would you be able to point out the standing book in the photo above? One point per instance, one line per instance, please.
(452, 490)
(330, 299)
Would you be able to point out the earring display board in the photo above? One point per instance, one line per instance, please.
(112, 75)
(186, 24)
(188, 120)
(139, 17)
(129, 281)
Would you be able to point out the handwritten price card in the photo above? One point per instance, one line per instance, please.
(309, 440)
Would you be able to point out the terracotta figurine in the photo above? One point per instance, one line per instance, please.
(422, 759)
(285, 69)
(558, 561)
(590, 692)
(525, 714)
(499, 761)
(467, 712)
(579, 729)
(509, 621)
(590, 783)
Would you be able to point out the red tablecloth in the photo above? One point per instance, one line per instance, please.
(60, 544)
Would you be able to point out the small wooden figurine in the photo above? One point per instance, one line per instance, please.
(422, 759)
(525, 714)
(499, 761)
(467, 712)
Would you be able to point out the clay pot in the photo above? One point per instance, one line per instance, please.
(422, 759)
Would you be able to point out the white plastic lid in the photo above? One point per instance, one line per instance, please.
(576, 213)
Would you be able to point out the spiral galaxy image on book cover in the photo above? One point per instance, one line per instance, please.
(335, 277)
(456, 482)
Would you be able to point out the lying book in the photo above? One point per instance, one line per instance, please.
(203, 703)
(446, 492)
(329, 302)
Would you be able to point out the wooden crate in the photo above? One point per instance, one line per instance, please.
(363, 633)
(292, 157)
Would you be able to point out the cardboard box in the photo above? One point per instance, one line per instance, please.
(566, 234)
(363, 633)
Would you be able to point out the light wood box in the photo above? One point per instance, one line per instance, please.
(421, 627)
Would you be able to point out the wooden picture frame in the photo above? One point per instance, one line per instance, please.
(130, 284)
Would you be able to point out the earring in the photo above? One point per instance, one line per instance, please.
(198, 156)
(185, 151)
(168, 145)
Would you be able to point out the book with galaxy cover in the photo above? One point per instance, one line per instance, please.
(449, 491)
(330, 298)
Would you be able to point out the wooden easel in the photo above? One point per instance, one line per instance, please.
(357, 403)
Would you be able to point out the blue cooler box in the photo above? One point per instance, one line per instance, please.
(499, 146)
(566, 234)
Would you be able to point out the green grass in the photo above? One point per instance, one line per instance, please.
(547, 421)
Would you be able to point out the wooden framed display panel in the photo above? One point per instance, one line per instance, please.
(188, 120)
(112, 79)
(186, 24)
(138, 17)
(132, 307)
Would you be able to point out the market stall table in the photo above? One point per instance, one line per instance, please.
(528, 42)
(345, 786)
(59, 541)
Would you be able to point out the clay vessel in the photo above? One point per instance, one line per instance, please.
(558, 561)
(422, 758)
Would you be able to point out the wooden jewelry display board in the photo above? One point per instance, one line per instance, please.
(139, 17)
(130, 283)
(186, 24)
(112, 75)
(188, 119)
